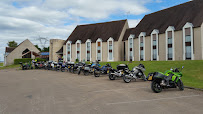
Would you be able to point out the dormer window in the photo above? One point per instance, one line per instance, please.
(130, 48)
(110, 49)
(188, 52)
(68, 45)
(170, 46)
(142, 46)
(88, 50)
(99, 49)
(78, 50)
(154, 45)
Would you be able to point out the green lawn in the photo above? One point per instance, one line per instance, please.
(10, 66)
(192, 72)
(1, 64)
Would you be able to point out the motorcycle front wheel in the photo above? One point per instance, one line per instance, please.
(111, 76)
(86, 73)
(79, 71)
(126, 80)
(96, 74)
(180, 85)
(156, 87)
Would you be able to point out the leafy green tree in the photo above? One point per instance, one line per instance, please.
(45, 49)
(38, 48)
(12, 44)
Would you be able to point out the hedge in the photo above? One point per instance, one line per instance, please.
(27, 60)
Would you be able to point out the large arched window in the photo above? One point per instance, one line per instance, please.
(110, 49)
(155, 45)
(131, 47)
(78, 50)
(68, 50)
(188, 49)
(88, 50)
(170, 46)
(99, 49)
(142, 46)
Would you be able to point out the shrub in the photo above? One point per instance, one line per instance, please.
(76, 60)
(27, 60)
(24, 60)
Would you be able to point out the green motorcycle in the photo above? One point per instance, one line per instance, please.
(169, 79)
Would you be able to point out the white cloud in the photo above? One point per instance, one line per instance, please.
(22, 19)
(133, 22)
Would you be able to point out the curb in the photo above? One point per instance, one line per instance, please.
(194, 88)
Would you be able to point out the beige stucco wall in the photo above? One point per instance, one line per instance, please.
(148, 48)
(197, 44)
(178, 40)
(55, 45)
(17, 53)
(162, 47)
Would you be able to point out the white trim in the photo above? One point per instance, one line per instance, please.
(111, 39)
(69, 42)
(78, 41)
(142, 34)
(188, 25)
(170, 28)
(131, 37)
(99, 40)
(156, 32)
(89, 41)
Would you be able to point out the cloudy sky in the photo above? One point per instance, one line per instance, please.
(22, 19)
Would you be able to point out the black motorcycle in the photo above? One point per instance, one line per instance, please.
(101, 71)
(84, 68)
(117, 73)
(26, 66)
(136, 73)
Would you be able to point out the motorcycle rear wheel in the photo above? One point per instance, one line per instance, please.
(96, 74)
(126, 80)
(156, 87)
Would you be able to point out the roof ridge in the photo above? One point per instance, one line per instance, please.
(170, 7)
(102, 22)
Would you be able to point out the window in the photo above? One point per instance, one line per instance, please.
(131, 49)
(170, 52)
(142, 46)
(110, 49)
(155, 45)
(188, 49)
(68, 52)
(88, 50)
(78, 50)
(99, 49)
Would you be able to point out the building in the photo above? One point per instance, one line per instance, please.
(100, 41)
(54, 47)
(175, 33)
(44, 55)
(24, 50)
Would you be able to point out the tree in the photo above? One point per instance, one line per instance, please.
(45, 49)
(38, 48)
(12, 44)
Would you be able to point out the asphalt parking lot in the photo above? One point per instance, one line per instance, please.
(50, 92)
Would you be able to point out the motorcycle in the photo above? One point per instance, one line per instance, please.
(136, 73)
(84, 68)
(48, 65)
(69, 66)
(119, 72)
(103, 70)
(26, 66)
(62, 66)
(169, 79)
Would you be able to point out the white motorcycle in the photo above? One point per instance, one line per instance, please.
(136, 73)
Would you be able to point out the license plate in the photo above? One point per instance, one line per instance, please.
(122, 72)
(92, 69)
(68, 66)
(150, 78)
(107, 71)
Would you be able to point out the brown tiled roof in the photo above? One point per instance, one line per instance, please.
(9, 49)
(176, 16)
(127, 33)
(99, 30)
